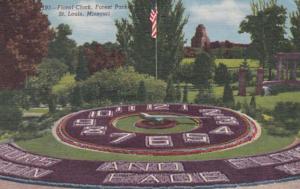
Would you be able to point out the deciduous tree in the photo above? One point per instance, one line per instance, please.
(295, 29)
(48, 74)
(266, 25)
(24, 38)
(100, 58)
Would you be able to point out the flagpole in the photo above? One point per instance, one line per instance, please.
(156, 57)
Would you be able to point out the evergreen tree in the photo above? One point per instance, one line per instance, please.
(221, 74)
(170, 38)
(253, 102)
(228, 98)
(82, 72)
(295, 29)
(206, 97)
(63, 48)
(178, 93)
(185, 94)
(238, 106)
(203, 71)
(76, 98)
(170, 92)
(124, 38)
(142, 92)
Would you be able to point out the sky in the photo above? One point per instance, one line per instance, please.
(220, 17)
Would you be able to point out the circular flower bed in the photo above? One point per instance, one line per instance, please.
(220, 129)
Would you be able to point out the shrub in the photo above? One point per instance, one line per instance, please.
(10, 114)
(120, 85)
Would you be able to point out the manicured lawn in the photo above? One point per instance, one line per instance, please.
(235, 63)
(182, 125)
(230, 63)
(37, 110)
(48, 145)
(269, 102)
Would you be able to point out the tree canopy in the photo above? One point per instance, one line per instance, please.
(121, 85)
(266, 25)
(203, 69)
(63, 48)
(295, 28)
(141, 46)
(41, 86)
(24, 39)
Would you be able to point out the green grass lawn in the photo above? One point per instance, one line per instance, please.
(37, 110)
(182, 125)
(269, 102)
(230, 63)
(235, 63)
(48, 145)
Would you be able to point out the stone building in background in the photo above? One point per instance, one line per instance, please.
(201, 39)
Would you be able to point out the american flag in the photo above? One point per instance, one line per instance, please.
(153, 19)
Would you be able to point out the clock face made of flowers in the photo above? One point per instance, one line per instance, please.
(157, 129)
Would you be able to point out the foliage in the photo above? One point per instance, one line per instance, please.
(295, 29)
(178, 93)
(63, 88)
(142, 92)
(24, 40)
(120, 85)
(100, 57)
(266, 25)
(202, 71)
(184, 72)
(280, 88)
(10, 114)
(228, 98)
(82, 72)
(287, 116)
(249, 75)
(124, 38)
(253, 102)
(170, 92)
(40, 87)
(185, 94)
(63, 48)
(250, 110)
(206, 97)
(222, 75)
(75, 97)
(170, 38)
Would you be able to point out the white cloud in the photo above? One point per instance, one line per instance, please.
(229, 12)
